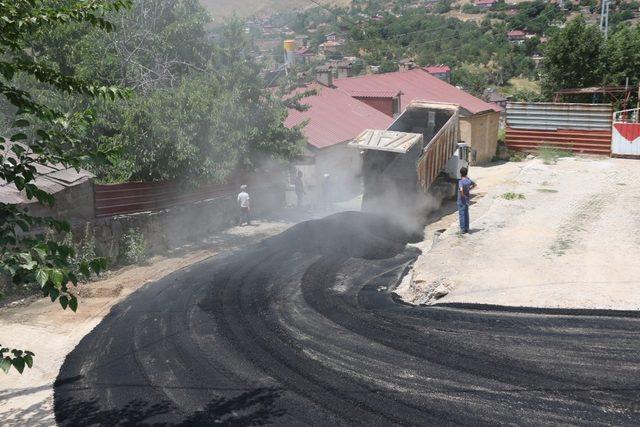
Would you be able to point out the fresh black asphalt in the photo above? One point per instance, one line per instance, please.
(303, 329)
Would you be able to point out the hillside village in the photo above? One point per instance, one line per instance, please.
(328, 41)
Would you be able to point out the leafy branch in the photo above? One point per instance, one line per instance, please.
(16, 358)
(44, 136)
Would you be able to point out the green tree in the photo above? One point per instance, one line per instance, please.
(213, 121)
(42, 135)
(443, 6)
(471, 79)
(573, 57)
(535, 16)
(199, 110)
(623, 56)
(153, 45)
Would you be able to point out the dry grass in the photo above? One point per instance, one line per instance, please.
(220, 9)
(517, 84)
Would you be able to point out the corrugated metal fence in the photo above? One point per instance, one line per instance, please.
(582, 128)
(135, 197)
(440, 149)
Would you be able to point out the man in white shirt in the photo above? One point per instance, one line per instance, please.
(244, 201)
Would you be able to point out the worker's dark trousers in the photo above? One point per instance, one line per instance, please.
(463, 212)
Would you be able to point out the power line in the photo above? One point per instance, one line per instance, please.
(338, 15)
(395, 36)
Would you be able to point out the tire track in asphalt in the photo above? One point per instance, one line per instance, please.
(303, 329)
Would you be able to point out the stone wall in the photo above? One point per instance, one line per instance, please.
(179, 225)
(73, 203)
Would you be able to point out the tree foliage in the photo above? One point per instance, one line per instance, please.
(535, 16)
(472, 79)
(573, 57)
(42, 135)
(623, 56)
(199, 110)
(579, 56)
(433, 39)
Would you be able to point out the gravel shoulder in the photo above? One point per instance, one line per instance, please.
(567, 240)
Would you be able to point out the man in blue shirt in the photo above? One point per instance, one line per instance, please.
(465, 185)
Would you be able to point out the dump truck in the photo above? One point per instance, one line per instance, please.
(419, 154)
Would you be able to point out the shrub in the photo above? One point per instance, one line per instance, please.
(502, 134)
(133, 247)
(517, 156)
(470, 8)
(513, 196)
(550, 154)
(84, 249)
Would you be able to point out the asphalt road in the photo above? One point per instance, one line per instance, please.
(303, 330)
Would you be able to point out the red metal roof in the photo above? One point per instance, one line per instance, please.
(335, 117)
(416, 85)
(438, 69)
(374, 93)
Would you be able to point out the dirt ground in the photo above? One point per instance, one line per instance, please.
(52, 333)
(567, 237)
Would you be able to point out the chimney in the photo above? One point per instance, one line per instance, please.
(324, 76)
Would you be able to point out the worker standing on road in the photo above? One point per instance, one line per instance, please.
(245, 205)
(299, 188)
(465, 185)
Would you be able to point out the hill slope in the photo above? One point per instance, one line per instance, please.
(224, 8)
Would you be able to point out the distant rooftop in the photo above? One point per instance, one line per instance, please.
(516, 33)
(437, 69)
(415, 85)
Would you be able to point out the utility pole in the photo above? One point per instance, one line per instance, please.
(604, 18)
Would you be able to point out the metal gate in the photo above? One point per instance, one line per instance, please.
(625, 138)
